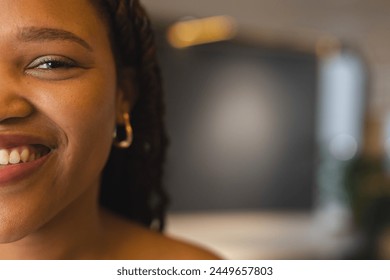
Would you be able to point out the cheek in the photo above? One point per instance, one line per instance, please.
(83, 109)
(83, 112)
(87, 114)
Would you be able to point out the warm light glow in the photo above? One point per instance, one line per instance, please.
(201, 31)
(327, 45)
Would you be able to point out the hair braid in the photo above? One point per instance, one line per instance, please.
(132, 179)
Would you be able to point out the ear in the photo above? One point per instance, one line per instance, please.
(122, 106)
(125, 99)
(126, 94)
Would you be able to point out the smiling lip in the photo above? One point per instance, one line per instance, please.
(14, 172)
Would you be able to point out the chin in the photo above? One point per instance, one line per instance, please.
(16, 224)
(12, 234)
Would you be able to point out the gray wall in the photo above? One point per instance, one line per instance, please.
(241, 124)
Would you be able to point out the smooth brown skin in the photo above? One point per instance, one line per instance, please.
(54, 214)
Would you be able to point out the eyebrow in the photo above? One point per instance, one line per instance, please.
(36, 34)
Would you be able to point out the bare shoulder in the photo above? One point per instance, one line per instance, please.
(132, 241)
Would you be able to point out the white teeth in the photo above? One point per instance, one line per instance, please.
(18, 155)
(14, 157)
(4, 157)
(25, 154)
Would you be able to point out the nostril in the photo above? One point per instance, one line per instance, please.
(14, 107)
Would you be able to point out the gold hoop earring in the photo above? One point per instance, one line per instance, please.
(128, 133)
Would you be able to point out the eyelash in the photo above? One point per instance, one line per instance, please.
(52, 63)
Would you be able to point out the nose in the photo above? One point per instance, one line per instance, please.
(13, 105)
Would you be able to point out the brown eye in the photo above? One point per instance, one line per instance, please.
(54, 67)
(51, 63)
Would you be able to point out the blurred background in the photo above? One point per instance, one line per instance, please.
(278, 125)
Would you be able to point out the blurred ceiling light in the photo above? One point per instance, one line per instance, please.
(201, 31)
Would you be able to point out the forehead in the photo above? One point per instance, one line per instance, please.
(76, 16)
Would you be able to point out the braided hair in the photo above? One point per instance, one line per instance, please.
(132, 178)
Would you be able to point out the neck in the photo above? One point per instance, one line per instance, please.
(74, 233)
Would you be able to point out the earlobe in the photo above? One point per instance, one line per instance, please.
(122, 106)
(127, 91)
(124, 132)
(123, 135)
(126, 97)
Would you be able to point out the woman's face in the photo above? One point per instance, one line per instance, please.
(58, 100)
